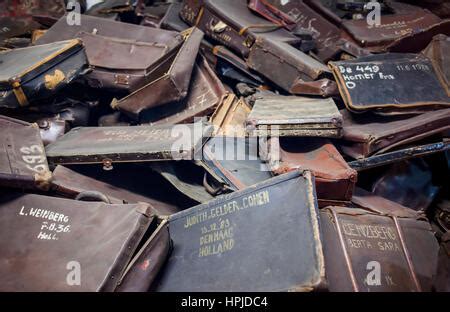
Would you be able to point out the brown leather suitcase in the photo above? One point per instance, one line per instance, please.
(335, 180)
(276, 115)
(364, 136)
(169, 81)
(90, 244)
(360, 80)
(23, 163)
(378, 251)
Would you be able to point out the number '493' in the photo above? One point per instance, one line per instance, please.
(34, 157)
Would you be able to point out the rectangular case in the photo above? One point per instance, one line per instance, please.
(23, 163)
(294, 116)
(109, 145)
(264, 238)
(96, 238)
(438, 51)
(31, 74)
(360, 81)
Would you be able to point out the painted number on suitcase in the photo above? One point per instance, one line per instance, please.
(34, 158)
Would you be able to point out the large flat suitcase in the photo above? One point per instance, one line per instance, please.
(335, 180)
(385, 251)
(98, 145)
(360, 80)
(36, 73)
(23, 163)
(274, 115)
(365, 136)
(280, 251)
(90, 244)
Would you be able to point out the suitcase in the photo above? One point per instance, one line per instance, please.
(230, 116)
(23, 163)
(172, 19)
(134, 186)
(360, 80)
(214, 236)
(206, 92)
(169, 80)
(369, 251)
(335, 180)
(36, 73)
(438, 51)
(109, 145)
(93, 240)
(275, 115)
(365, 136)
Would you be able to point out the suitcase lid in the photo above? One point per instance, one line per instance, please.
(229, 239)
(48, 237)
(107, 145)
(23, 163)
(20, 65)
(360, 80)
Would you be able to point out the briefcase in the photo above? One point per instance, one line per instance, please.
(23, 163)
(335, 180)
(281, 250)
(108, 145)
(365, 136)
(360, 80)
(169, 81)
(206, 92)
(369, 251)
(28, 75)
(90, 244)
(275, 115)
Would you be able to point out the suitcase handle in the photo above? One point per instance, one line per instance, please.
(93, 196)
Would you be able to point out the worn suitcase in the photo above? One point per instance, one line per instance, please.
(378, 251)
(169, 81)
(233, 162)
(129, 189)
(335, 180)
(31, 74)
(230, 116)
(23, 163)
(259, 41)
(108, 145)
(359, 82)
(365, 136)
(172, 19)
(90, 244)
(274, 115)
(438, 51)
(206, 92)
(216, 238)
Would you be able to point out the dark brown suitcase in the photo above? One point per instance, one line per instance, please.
(206, 92)
(169, 81)
(276, 115)
(438, 51)
(172, 19)
(364, 136)
(97, 145)
(368, 251)
(335, 180)
(264, 238)
(360, 80)
(90, 244)
(36, 73)
(23, 163)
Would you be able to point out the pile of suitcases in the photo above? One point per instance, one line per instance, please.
(225, 145)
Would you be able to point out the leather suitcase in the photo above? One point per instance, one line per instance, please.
(268, 49)
(31, 74)
(438, 51)
(129, 190)
(360, 80)
(233, 162)
(93, 239)
(215, 236)
(275, 115)
(335, 180)
(206, 92)
(378, 251)
(108, 145)
(365, 136)
(172, 19)
(169, 81)
(23, 163)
